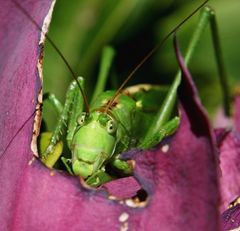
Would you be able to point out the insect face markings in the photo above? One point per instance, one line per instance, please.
(93, 143)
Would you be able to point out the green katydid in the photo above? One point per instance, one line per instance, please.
(99, 136)
(116, 121)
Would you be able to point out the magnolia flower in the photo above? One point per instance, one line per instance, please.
(184, 183)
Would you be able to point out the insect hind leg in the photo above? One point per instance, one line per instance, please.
(207, 16)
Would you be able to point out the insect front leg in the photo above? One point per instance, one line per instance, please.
(75, 110)
(62, 121)
(45, 137)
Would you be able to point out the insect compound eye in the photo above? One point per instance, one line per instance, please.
(111, 126)
(81, 119)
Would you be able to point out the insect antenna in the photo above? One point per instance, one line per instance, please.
(149, 54)
(57, 50)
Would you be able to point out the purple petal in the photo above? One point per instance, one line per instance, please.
(115, 188)
(237, 114)
(19, 88)
(179, 177)
(230, 166)
(179, 198)
(202, 158)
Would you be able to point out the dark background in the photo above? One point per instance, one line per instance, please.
(81, 28)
